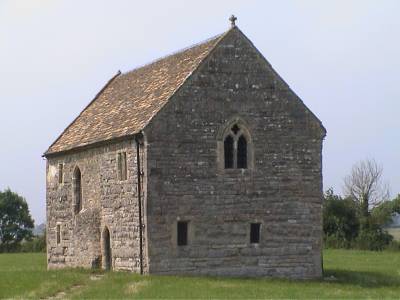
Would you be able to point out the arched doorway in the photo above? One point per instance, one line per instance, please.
(107, 260)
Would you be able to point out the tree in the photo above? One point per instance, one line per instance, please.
(340, 222)
(365, 186)
(16, 222)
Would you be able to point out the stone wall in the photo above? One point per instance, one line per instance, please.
(185, 180)
(107, 202)
(282, 190)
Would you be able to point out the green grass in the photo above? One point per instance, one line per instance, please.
(358, 274)
(25, 276)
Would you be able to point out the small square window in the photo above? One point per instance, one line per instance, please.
(60, 173)
(122, 166)
(255, 233)
(58, 234)
(182, 233)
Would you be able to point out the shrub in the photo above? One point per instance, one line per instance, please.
(7, 248)
(340, 222)
(37, 244)
(393, 246)
(335, 241)
(373, 238)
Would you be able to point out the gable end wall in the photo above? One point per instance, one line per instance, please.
(283, 191)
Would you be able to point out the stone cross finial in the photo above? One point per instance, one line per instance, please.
(233, 20)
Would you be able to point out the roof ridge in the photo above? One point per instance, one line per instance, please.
(218, 39)
(193, 58)
(215, 37)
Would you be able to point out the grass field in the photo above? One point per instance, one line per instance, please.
(352, 274)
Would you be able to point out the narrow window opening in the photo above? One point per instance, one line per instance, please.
(58, 234)
(119, 165)
(255, 233)
(182, 233)
(124, 169)
(60, 173)
(77, 183)
(228, 152)
(242, 153)
(122, 166)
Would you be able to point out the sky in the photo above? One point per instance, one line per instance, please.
(341, 57)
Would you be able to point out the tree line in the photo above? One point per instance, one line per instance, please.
(358, 220)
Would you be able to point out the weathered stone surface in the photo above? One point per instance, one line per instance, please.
(107, 202)
(184, 179)
(282, 191)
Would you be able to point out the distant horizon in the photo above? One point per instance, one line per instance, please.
(340, 57)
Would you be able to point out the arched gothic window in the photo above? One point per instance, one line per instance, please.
(236, 154)
(77, 186)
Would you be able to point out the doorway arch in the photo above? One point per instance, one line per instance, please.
(107, 257)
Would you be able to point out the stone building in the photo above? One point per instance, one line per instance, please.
(202, 162)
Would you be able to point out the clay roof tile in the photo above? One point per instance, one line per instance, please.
(129, 101)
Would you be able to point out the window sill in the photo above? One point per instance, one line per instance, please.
(236, 171)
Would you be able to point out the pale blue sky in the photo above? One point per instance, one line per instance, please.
(341, 57)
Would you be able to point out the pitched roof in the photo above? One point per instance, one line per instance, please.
(129, 101)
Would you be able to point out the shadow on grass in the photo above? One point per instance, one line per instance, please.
(363, 278)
